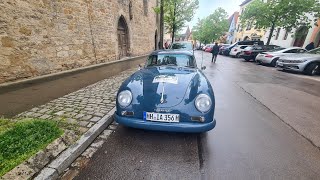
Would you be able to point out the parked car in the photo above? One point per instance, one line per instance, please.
(183, 45)
(237, 50)
(226, 51)
(204, 47)
(169, 94)
(222, 47)
(209, 48)
(271, 57)
(308, 63)
(251, 52)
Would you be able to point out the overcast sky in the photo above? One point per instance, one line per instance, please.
(207, 7)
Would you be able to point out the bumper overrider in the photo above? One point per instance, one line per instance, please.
(188, 127)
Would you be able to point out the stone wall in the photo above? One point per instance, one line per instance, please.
(39, 37)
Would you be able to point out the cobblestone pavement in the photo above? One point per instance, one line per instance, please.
(78, 112)
(83, 160)
(82, 108)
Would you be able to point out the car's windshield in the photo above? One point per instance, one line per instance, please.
(171, 60)
(185, 46)
(315, 51)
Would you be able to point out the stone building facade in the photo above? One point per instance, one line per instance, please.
(40, 37)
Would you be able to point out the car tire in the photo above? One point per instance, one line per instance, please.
(238, 55)
(313, 69)
(247, 59)
(274, 62)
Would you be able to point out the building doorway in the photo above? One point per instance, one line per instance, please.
(301, 36)
(123, 37)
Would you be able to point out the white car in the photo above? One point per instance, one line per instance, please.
(237, 50)
(271, 57)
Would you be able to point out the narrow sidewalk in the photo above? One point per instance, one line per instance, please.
(81, 111)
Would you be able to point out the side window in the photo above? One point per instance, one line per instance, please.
(301, 50)
(291, 51)
(242, 47)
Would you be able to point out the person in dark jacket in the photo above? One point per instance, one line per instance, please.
(215, 51)
(310, 46)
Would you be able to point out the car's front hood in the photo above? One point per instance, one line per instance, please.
(302, 56)
(161, 86)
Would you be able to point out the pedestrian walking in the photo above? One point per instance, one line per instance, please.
(310, 46)
(215, 51)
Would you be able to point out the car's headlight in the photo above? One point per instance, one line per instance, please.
(203, 103)
(125, 98)
(300, 61)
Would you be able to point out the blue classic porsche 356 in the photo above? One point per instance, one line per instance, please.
(169, 94)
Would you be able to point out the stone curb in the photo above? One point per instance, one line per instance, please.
(8, 86)
(62, 162)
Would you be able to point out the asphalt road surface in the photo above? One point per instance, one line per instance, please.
(255, 137)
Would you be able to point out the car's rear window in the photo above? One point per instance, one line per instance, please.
(185, 46)
(171, 60)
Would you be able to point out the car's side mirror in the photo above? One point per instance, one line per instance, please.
(203, 67)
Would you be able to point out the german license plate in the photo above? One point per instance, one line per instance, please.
(161, 117)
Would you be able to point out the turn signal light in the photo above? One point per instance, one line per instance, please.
(268, 56)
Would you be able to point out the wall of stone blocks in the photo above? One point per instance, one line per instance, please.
(40, 37)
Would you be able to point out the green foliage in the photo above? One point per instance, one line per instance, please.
(212, 27)
(24, 139)
(5, 124)
(287, 14)
(177, 13)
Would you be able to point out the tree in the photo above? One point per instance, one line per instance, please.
(211, 27)
(161, 24)
(177, 13)
(287, 14)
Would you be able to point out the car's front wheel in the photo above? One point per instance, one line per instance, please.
(238, 55)
(313, 69)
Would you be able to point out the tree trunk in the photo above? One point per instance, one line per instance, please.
(161, 25)
(174, 21)
(271, 33)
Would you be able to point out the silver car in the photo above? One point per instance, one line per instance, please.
(271, 57)
(308, 63)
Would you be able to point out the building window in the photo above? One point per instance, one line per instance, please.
(249, 26)
(286, 35)
(130, 10)
(277, 35)
(145, 7)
